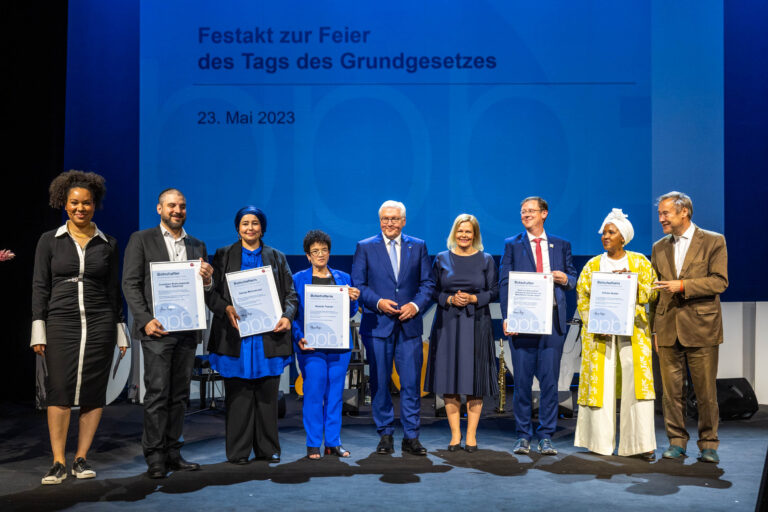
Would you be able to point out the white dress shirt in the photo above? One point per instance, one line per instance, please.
(544, 250)
(398, 245)
(177, 250)
(682, 243)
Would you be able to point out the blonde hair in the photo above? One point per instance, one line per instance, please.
(477, 240)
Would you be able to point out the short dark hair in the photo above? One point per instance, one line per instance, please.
(167, 191)
(543, 206)
(66, 181)
(315, 236)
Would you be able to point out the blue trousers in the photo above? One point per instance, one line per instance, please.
(407, 355)
(537, 356)
(324, 373)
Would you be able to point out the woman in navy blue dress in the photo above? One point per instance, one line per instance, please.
(461, 350)
(251, 366)
(324, 370)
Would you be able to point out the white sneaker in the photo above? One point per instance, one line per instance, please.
(81, 469)
(55, 475)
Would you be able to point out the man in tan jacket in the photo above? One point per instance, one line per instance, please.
(692, 265)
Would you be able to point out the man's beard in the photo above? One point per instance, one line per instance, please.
(174, 222)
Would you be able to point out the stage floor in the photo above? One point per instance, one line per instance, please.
(490, 479)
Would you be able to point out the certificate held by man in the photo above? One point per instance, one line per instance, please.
(529, 305)
(177, 295)
(326, 316)
(612, 303)
(254, 296)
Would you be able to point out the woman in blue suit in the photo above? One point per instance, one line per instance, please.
(323, 370)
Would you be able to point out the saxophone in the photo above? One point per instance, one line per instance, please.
(502, 379)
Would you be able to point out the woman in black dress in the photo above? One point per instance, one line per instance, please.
(461, 350)
(76, 309)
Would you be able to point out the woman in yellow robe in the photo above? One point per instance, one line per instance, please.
(617, 366)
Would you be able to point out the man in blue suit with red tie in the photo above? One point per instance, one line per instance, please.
(394, 275)
(534, 250)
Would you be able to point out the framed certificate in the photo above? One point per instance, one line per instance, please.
(254, 296)
(177, 295)
(326, 316)
(612, 303)
(529, 302)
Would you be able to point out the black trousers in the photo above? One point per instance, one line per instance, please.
(168, 365)
(251, 417)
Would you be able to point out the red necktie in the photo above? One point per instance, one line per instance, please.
(539, 261)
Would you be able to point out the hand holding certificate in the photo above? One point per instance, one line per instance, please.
(177, 295)
(326, 316)
(254, 297)
(529, 306)
(612, 303)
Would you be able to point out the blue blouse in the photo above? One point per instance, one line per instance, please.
(252, 363)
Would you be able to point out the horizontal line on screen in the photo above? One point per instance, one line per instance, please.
(368, 84)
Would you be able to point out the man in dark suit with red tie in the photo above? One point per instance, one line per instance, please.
(534, 250)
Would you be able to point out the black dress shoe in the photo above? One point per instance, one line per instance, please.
(338, 451)
(242, 461)
(182, 465)
(386, 445)
(413, 446)
(157, 470)
(274, 458)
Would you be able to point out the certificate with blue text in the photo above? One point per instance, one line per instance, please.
(612, 303)
(177, 295)
(254, 296)
(326, 316)
(529, 303)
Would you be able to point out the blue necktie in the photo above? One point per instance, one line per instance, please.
(393, 256)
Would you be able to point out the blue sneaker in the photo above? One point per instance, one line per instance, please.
(674, 452)
(709, 455)
(546, 447)
(522, 447)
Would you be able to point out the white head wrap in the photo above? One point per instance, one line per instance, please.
(619, 219)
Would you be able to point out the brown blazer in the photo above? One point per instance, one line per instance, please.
(693, 316)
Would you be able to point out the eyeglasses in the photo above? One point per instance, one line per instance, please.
(529, 211)
(319, 252)
(391, 220)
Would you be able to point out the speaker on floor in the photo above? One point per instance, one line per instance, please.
(735, 398)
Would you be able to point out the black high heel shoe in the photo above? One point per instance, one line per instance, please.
(454, 447)
(338, 451)
(313, 450)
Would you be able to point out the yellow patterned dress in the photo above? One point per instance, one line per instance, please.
(591, 383)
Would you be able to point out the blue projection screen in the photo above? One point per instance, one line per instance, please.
(317, 112)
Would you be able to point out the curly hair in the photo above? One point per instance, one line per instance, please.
(316, 236)
(66, 181)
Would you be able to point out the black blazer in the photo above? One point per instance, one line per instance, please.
(225, 339)
(144, 247)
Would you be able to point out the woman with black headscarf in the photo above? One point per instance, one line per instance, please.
(250, 366)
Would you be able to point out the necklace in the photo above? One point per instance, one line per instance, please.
(79, 234)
